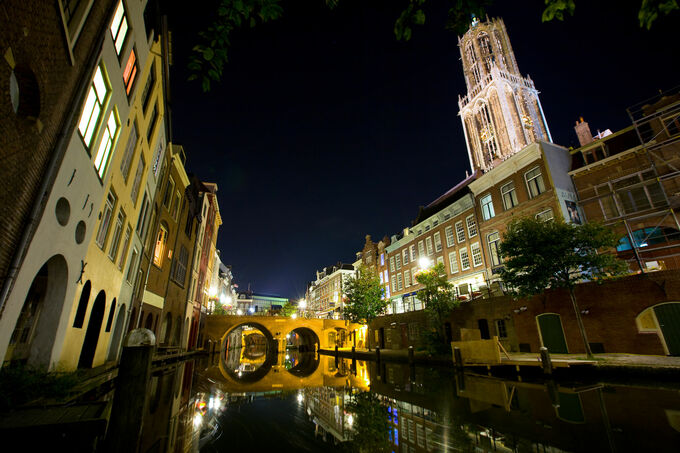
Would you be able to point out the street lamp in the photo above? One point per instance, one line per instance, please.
(424, 263)
(302, 304)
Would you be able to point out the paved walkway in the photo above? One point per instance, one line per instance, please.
(637, 361)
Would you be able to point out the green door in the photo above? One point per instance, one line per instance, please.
(552, 333)
(668, 316)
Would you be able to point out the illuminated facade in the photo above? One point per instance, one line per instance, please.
(501, 112)
(325, 295)
(77, 301)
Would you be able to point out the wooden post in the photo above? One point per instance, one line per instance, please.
(377, 354)
(336, 350)
(411, 359)
(457, 357)
(546, 363)
(354, 353)
(131, 394)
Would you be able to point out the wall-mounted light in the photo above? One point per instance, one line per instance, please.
(586, 311)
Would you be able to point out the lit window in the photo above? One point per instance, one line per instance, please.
(460, 232)
(94, 106)
(453, 262)
(421, 248)
(382, 259)
(428, 242)
(476, 254)
(130, 72)
(399, 282)
(101, 160)
(161, 239)
(471, 226)
(398, 261)
(494, 241)
(391, 264)
(509, 196)
(487, 207)
(106, 219)
(405, 255)
(464, 259)
(413, 252)
(440, 260)
(407, 278)
(119, 27)
(535, 184)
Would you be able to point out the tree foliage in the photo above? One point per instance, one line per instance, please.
(364, 297)
(370, 429)
(208, 58)
(540, 255)
(439, 298)
(288, 309)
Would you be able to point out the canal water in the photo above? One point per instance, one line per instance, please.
(246, 401)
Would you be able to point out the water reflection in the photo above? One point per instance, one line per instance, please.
(307, 402)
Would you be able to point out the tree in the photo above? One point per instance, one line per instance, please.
(370, 427)
(364, 296)
(288, 309)
(211, 54)
(439, 298)
(555, 254)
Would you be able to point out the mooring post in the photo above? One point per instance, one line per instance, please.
(354, 353)
(546, 363)
(457, 357)
(336, 350)
(131, 394)
(377, 354)
(411, 359)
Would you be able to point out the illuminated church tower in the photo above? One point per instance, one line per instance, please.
(501, 113)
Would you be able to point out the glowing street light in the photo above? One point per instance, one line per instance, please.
(239, 312)
(424, 263)
(302, 304)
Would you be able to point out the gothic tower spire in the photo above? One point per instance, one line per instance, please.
(501, 113)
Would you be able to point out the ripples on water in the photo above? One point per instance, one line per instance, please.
(295, 402)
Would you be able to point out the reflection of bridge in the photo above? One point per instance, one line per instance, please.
(278, 378)
(319, 332)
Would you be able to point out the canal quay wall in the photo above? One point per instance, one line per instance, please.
(619, 317)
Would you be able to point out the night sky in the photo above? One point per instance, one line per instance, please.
(325, 128)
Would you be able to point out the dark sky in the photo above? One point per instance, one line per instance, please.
(325, 128)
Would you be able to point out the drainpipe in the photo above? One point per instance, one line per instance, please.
(67, 128)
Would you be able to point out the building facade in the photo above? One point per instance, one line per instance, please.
(325, 296)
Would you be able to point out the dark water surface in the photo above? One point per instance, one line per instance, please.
(295, 402)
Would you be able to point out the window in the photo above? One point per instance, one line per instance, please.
(464, 259)
(138, 179)
(101, 160)
(494, 241)
(476, 254)
(130, 72)
(435, 222)
(152, 124)
(607, 203)
(407, 278)
(133, 262)
(169, 189)
(440, 260)
(119, 27)
(427, 228)
(143, 212)
(645, 237)
(534, 180)
(428, 242)
(460, 232)
(126, 244)
(157, 159)
(471, 226)
(148, 87)
(117, 233)
(392, 264)
(94, 106)
(501, 330)
(453, 262)
(106, 219)
(487, 207)
(413, 252)
(180, 270)
(394, 283)
(449, 236)
(545, 216)
(399, 282)
(638, 192)
(382, 259)
(126, 163)
(405, 256)
(509, 195)
(189, 225)
(398, 261)
(158, 251)
(421, 249)
(438, 242)
(387, 279)
(175, 205)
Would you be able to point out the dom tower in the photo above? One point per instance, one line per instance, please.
(501, 113)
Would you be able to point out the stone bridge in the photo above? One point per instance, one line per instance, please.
(314, 333)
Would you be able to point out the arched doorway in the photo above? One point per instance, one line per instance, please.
(664, 319)
(93, 329)
(33, 337)
(114, 346)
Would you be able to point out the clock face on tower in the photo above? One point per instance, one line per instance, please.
(501, 112)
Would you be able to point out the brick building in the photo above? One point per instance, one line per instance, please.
(325, 294)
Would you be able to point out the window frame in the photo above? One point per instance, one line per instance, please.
(540, 188)
(460, 232)
(104, 225)
(437, 242)
(463, 260)
(476, 252)
(509, 196)
(107, 144)
(453, 269)
(93, 101)
(118, 40)
(471, 225)
(494, 248)
(486, 206)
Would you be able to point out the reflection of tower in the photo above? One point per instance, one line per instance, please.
(501, 113)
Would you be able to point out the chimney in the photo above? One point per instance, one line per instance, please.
(583, 132)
